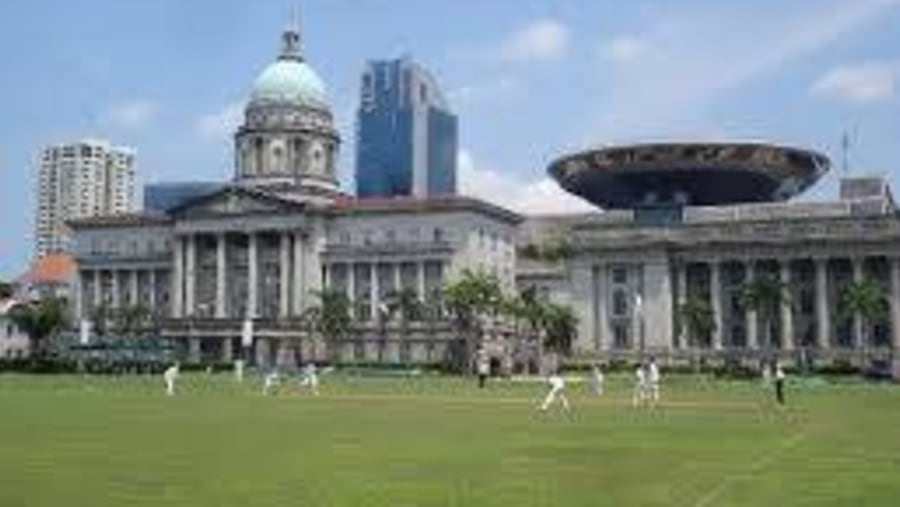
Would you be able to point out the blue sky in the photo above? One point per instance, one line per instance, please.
(528, 78)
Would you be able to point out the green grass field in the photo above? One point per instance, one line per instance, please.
(104, 441)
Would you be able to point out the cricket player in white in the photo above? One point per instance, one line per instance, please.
(311, 379)
(653, 379)
(640, 386)
(170, 376)
(557, 385)
(597, 380)
(270, 382)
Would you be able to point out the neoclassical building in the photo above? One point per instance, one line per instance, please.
(677, 222)
(260, 247)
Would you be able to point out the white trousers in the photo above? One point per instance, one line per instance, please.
(170, 387)
(554, 394)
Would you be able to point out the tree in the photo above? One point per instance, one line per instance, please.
(129, 319)
(470, 299)
(868, 300)
(696, 320)
(6, 290)
(561, 326)
(40, 321)
(405, 304)
(100, 316)
(330, 318)
(764, 294)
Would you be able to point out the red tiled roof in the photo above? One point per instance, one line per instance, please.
(55, 267)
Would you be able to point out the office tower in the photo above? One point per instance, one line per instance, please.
(406, 134)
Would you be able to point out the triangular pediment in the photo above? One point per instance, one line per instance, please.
(235, 200)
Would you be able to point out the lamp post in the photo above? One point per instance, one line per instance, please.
(639, 315)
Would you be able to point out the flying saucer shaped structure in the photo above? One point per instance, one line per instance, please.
(688, 174)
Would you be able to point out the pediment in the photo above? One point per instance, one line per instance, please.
(235, 201)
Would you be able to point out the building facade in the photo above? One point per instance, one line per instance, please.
(235, 270)
(159, 197)
(258, 249)
(627, 279)
(77, 180)
(406, 134)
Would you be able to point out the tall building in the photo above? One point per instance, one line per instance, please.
(407, 136)
(78, 180)
(160, 197)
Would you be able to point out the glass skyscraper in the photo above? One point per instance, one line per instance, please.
(406, 134)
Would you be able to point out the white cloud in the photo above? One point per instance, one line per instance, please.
(699, 53)
(624, 49)
(545, 39)
(540, 196)
(859, 83)
(488, 92)
(219, 125)
(133, 114)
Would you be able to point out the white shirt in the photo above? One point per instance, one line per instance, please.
(171, 373)
(556, 382)
(654, 373)
(639, 375)
(779, 374)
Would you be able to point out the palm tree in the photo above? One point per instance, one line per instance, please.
(696, 320)
(764, 294)
(470, 299)
(330, 318)
(40, 321)
(868, 300)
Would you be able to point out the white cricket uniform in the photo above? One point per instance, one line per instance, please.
(311, 379)
(557, 385)
(270, 382)
(170, 375)
(654, 382)
(598, 382)
(640, 386)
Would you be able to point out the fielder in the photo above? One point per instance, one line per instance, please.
(597, 380)
(270, 382)
(170, 376)
(311, 379)
(654, 378)
(640, 386)
(557, 385)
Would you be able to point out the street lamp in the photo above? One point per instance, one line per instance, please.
(639, 314)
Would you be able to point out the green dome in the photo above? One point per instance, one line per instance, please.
(290, 81)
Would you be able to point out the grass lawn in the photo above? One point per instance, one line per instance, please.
(102, 441)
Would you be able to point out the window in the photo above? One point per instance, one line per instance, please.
(359, 351)
(438, 235)
(620, 275)
(620, 303)
(390, 236)
(405, 352)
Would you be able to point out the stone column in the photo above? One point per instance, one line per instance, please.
(299, 286)
(604, 340)
(284, 272)
(787, 311)
(178, 277)
(715, 296)
(190, 282)
(895, 301)
(221, 276)
(857, 318)
(396, 270)
(823, 323)
(374, 297)
(227, 353)
(98, 286)
(752, 323)
(194, 350)
(351, 284)
(420, 278)
(151, 277)
(79, 295)
(133, 287)
(116, 292)
(681, 300)
(581, 276)
(252, 275)
(657, 306)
